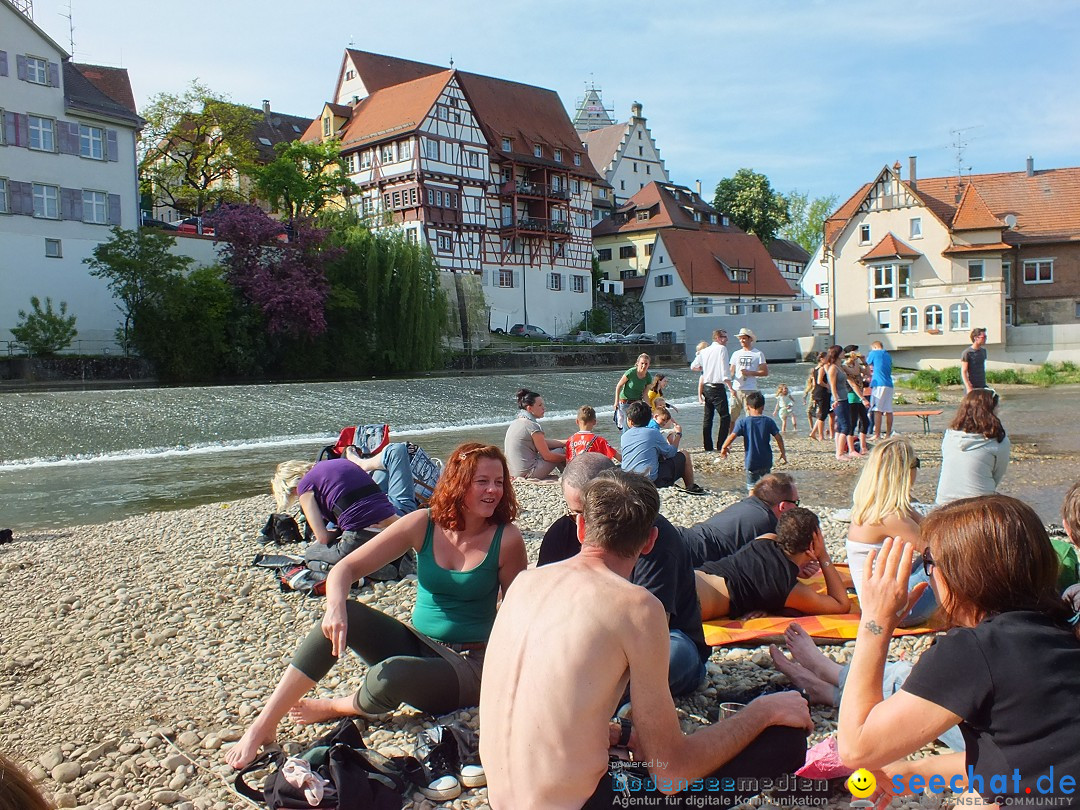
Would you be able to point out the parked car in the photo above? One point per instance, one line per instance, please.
(192, 225)
(612, 337)
(529, 331)
(643, 337)
(584, 337)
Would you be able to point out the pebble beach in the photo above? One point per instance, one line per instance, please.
(133, 653)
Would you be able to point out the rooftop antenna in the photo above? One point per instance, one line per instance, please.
(960, 144)
(71, 29)
(352, 40)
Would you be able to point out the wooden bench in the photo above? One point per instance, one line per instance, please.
(924, 415)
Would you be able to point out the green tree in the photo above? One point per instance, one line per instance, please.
(194, 148)
(751, 202)
(304, 178)
(137, 266)
(45, 331)
(807, 219)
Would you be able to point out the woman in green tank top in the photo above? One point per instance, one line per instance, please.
(468, 552)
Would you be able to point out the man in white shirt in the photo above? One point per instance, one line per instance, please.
(715, 381)
(747, 365)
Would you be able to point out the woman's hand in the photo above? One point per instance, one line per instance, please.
(884, 597)
(335, 626)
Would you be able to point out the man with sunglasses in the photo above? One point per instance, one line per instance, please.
(732, 528)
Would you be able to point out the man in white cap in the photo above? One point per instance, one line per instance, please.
(747, 365)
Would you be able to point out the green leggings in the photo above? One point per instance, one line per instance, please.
(401, 668)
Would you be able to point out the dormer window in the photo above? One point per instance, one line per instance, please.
(558, 155)
(538, 151)
(577, 159)
(506, 144)
(712, 219)
(326, 127)
(642, 215)
(697, 216)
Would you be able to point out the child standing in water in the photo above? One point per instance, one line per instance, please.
(785, 408)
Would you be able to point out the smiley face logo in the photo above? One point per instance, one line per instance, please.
(862, 784)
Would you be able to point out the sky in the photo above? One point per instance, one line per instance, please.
(818, 95)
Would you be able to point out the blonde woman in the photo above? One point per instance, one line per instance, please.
(332, 491)
(881, 507)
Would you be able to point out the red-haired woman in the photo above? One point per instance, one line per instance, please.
(974, 450)
(468, 550)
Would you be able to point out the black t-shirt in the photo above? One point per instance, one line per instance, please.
(665, 572)
(976, 360)
(726, 532)
(759, 576)
(1015, 681)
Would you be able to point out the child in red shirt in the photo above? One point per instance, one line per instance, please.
(585, 441)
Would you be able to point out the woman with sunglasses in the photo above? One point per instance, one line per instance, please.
(1005, 671)
(881, 507)
(468, 552)
(974, 450)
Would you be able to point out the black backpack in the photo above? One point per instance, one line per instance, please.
(280, 529)
(360, 779)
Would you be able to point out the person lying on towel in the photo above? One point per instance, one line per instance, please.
(761, 578)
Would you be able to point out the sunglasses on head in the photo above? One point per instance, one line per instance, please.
(928, 563)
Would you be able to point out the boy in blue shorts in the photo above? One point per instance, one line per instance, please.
(756, 429)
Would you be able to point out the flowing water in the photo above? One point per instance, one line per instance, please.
(73, 457)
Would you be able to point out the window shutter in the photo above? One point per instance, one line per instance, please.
(10, 131)
(111, 149)
(517, 278)
(71, 204)
(20, 67)
(67, 137)
(22, 197)
(22, 130)
(54, 74)
(3, 63)
(114, 209)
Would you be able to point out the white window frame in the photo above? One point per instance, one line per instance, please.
(888, 286)
(91, 142)
(915, 231)
(404, 150)
(935, 318)
(96, 204)
(555, 282)
(577, 158)
(558, 155)
(431, 149)
(959, 317)
(538, 150)
(43, 133)
(909, 320)
(577, 284)
(41, 192)
(506, 278)
(1010, 314)
(971, 265)
(864, 234)
(386, 154)
(884, 320)
(1039, 265)
(678, 308)
(326, 126)
(445, 243)
(506, 144)
(1006, 275)
(37, 70)
(57, 249)
(5, 204)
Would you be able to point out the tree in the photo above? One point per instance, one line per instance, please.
(137, 266)
(752, 204)
(304, 178)
(44, 331)
(807, 219)
(195, 147)
(284, 280)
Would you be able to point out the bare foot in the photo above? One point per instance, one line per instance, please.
(806, 653)
(247, 747)
(319, 710)
(816, 689)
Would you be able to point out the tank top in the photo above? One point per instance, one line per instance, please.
(456, 606)
(759, 576)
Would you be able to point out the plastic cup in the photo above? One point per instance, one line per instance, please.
(730, 709)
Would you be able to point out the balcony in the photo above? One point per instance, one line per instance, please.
(527, 188)
(534, 225)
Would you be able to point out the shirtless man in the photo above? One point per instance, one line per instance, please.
(567, 638)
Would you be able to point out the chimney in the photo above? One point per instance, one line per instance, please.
(912, 179)
(1030, 166)
(635, 110)
(697, 185)
(266, 106)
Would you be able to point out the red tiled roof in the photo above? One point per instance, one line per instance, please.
(602, 144)
(891, 248)
(504, 109)
(666, 211)
(995, 247)
(834, 225)
(111, 81)
(393, 111)
(697, 256)
(972, 214)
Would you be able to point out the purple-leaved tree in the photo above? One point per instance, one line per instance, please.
(280, 275)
